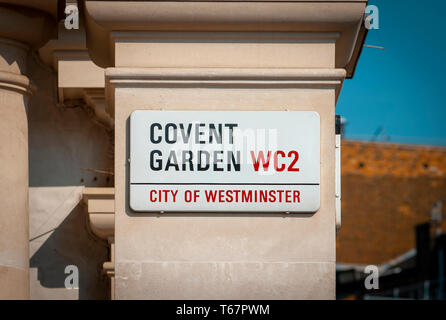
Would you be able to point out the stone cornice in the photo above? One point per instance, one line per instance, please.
(78, 77)
(103, 17)
(226, 15)
(226, 77)
(296, 76)
(222, 77)
(70, 41)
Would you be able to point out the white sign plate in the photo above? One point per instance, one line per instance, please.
(224, 161)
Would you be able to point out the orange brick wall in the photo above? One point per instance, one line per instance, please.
(386, 190)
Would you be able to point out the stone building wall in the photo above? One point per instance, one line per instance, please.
(386, 190)
(63, 143)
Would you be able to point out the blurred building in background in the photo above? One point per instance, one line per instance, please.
(392, 199)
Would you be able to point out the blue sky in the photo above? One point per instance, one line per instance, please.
(401, 89)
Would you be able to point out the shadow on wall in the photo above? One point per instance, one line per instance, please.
(65, 144)
(70, 244)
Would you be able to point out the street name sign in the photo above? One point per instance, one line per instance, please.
(224, 161)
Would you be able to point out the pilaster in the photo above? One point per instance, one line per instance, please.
(22, 28)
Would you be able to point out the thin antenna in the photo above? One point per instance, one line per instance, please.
(375, 47)
(377, 133)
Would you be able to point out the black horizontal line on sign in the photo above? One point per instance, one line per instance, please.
(230, 184)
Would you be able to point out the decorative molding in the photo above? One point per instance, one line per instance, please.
(122, 75)
(101, 211)
(16, 82)
(109, 267)
(104, 17)
(95, 99)
(80, 81)
(225, 36)
(101, 216)
(218, 77)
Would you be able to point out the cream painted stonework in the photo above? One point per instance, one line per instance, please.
(74, 90)
(233, 256)
(227, 65)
